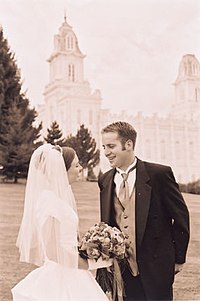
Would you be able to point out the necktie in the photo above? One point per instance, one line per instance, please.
(124, 189)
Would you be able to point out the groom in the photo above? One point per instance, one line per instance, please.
(144, 201)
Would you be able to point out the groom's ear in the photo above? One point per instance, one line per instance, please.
(129, 144)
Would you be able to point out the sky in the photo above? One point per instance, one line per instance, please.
(133, 47)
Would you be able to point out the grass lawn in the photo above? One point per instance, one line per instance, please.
(187, 284)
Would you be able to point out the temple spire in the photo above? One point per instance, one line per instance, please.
(65, 16)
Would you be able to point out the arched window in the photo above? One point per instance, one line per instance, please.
(70, 42)
(197, 94)
(71, 72)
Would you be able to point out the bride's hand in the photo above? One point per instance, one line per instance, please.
(109, 295)
(82, 263)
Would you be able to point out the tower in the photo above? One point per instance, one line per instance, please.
(66, 61)
(68, 97)
(187, 89)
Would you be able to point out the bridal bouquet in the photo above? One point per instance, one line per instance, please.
(103, 241)
(104, 247)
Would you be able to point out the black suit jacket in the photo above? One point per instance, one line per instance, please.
(162, 224)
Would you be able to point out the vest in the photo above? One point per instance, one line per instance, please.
(125, 219)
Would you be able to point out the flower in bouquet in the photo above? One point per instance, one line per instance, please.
(104, 247)
(104, 241)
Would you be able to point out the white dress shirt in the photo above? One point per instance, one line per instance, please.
(131, 177)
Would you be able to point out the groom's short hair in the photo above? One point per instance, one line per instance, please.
(124, 130)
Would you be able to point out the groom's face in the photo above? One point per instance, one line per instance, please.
(117, 155)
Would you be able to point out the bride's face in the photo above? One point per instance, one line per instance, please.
(74, 170)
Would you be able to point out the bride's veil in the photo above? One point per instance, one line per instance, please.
(50, 223)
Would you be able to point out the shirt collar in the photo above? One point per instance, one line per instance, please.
(129, 167)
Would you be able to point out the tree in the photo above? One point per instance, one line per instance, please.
(18, 136)
(86, 149)
(54, 135)
(191, 187)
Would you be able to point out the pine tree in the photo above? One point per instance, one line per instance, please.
(17, 134)
(86, 149)
(54, 135)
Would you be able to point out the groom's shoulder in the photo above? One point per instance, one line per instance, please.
(154, 167)
(106, 174)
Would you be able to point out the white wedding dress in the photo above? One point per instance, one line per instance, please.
(59, 280)
(52, 245)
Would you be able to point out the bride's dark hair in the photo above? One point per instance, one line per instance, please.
(68, 155)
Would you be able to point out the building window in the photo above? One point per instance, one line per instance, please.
(73, 77)
(70, 42)
(197, 93)
(71, 72)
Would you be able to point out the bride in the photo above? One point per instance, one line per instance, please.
(49, 230)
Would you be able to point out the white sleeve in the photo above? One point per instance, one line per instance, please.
(58, 227)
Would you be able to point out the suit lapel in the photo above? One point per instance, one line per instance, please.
(106, 196)
(142, 199)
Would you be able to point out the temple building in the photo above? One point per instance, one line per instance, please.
(173, 140)
(68, 98)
